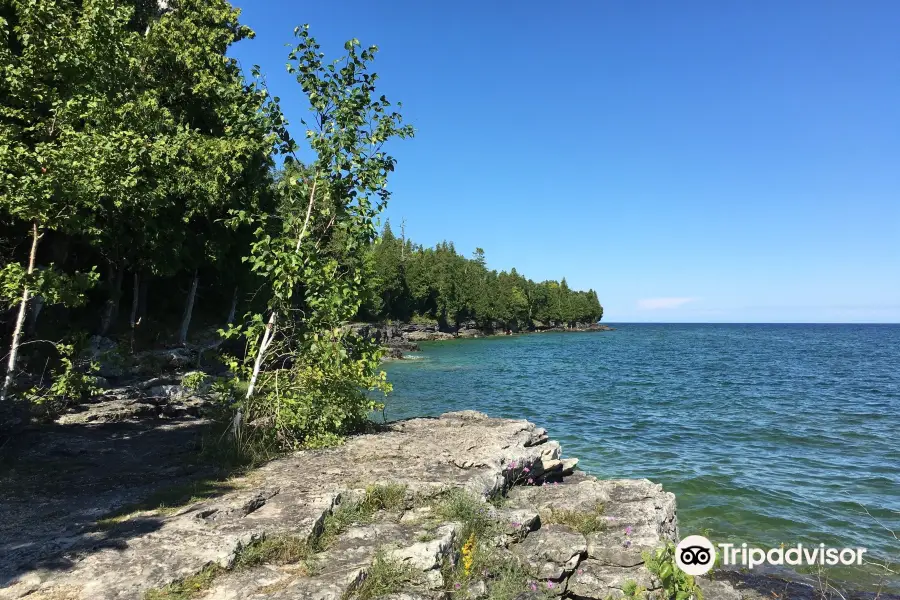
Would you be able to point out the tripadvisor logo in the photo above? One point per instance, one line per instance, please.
(696, 555)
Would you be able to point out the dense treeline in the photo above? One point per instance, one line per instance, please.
(127, 138)
(439, 283)
(148, 182)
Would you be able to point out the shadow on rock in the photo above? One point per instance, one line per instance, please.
(65, 490)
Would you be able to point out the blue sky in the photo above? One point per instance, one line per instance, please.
(691, 161)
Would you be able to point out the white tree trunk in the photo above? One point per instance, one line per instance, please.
(263, 347)
(142, 297)
(269, 334)
(188, 310)
(20, 319)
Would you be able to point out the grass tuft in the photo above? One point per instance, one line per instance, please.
(509, 580)
(582, 521)
(278, 550)
(188, 587)
(347, 514)
(470, 510)
(391, 496)
(384, 577)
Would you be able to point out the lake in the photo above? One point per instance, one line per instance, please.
(767, 434)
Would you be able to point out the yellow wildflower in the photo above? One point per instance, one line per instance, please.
(468, 554)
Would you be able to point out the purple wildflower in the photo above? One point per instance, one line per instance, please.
(530, 480)
(550, 585)
(526, 470)
(533, 586)
(456, 585)
(628, 530)
(512, 464)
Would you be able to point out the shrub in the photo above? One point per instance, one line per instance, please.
(676, 584)
(194, 381)
(68, 384)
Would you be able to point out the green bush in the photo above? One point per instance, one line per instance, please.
(69, 384)
(194, 381)
(418, 319)
(308, 378)
(313, 404)
(676, 584)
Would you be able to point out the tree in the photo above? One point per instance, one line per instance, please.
(305, 373)
(390, 275)
(190, 141)
(54, 81)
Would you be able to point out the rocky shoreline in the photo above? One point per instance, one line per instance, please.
(400, 338)
(395, 513)
(461, 455)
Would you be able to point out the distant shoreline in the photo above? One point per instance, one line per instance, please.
(398, 338)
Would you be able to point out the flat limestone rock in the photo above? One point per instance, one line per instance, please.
(640, 516)
(294, 496)
(333, 574)
(466, 450)
(635, 515)
(578, 493)
(718, 590)
(427, 556)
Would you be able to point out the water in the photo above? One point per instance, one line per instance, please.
(767, 434)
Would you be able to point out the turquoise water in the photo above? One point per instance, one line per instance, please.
(767, 434)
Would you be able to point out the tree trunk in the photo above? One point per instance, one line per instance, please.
(20, 319)
(263, 347)
(233, 309)
(188, 310)
(135, 300)
(269, 333)
(37, 304)
(111, 311)
(142, 298)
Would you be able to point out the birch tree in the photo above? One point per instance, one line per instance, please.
(305, 374)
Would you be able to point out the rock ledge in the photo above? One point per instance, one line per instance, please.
(512, 462)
